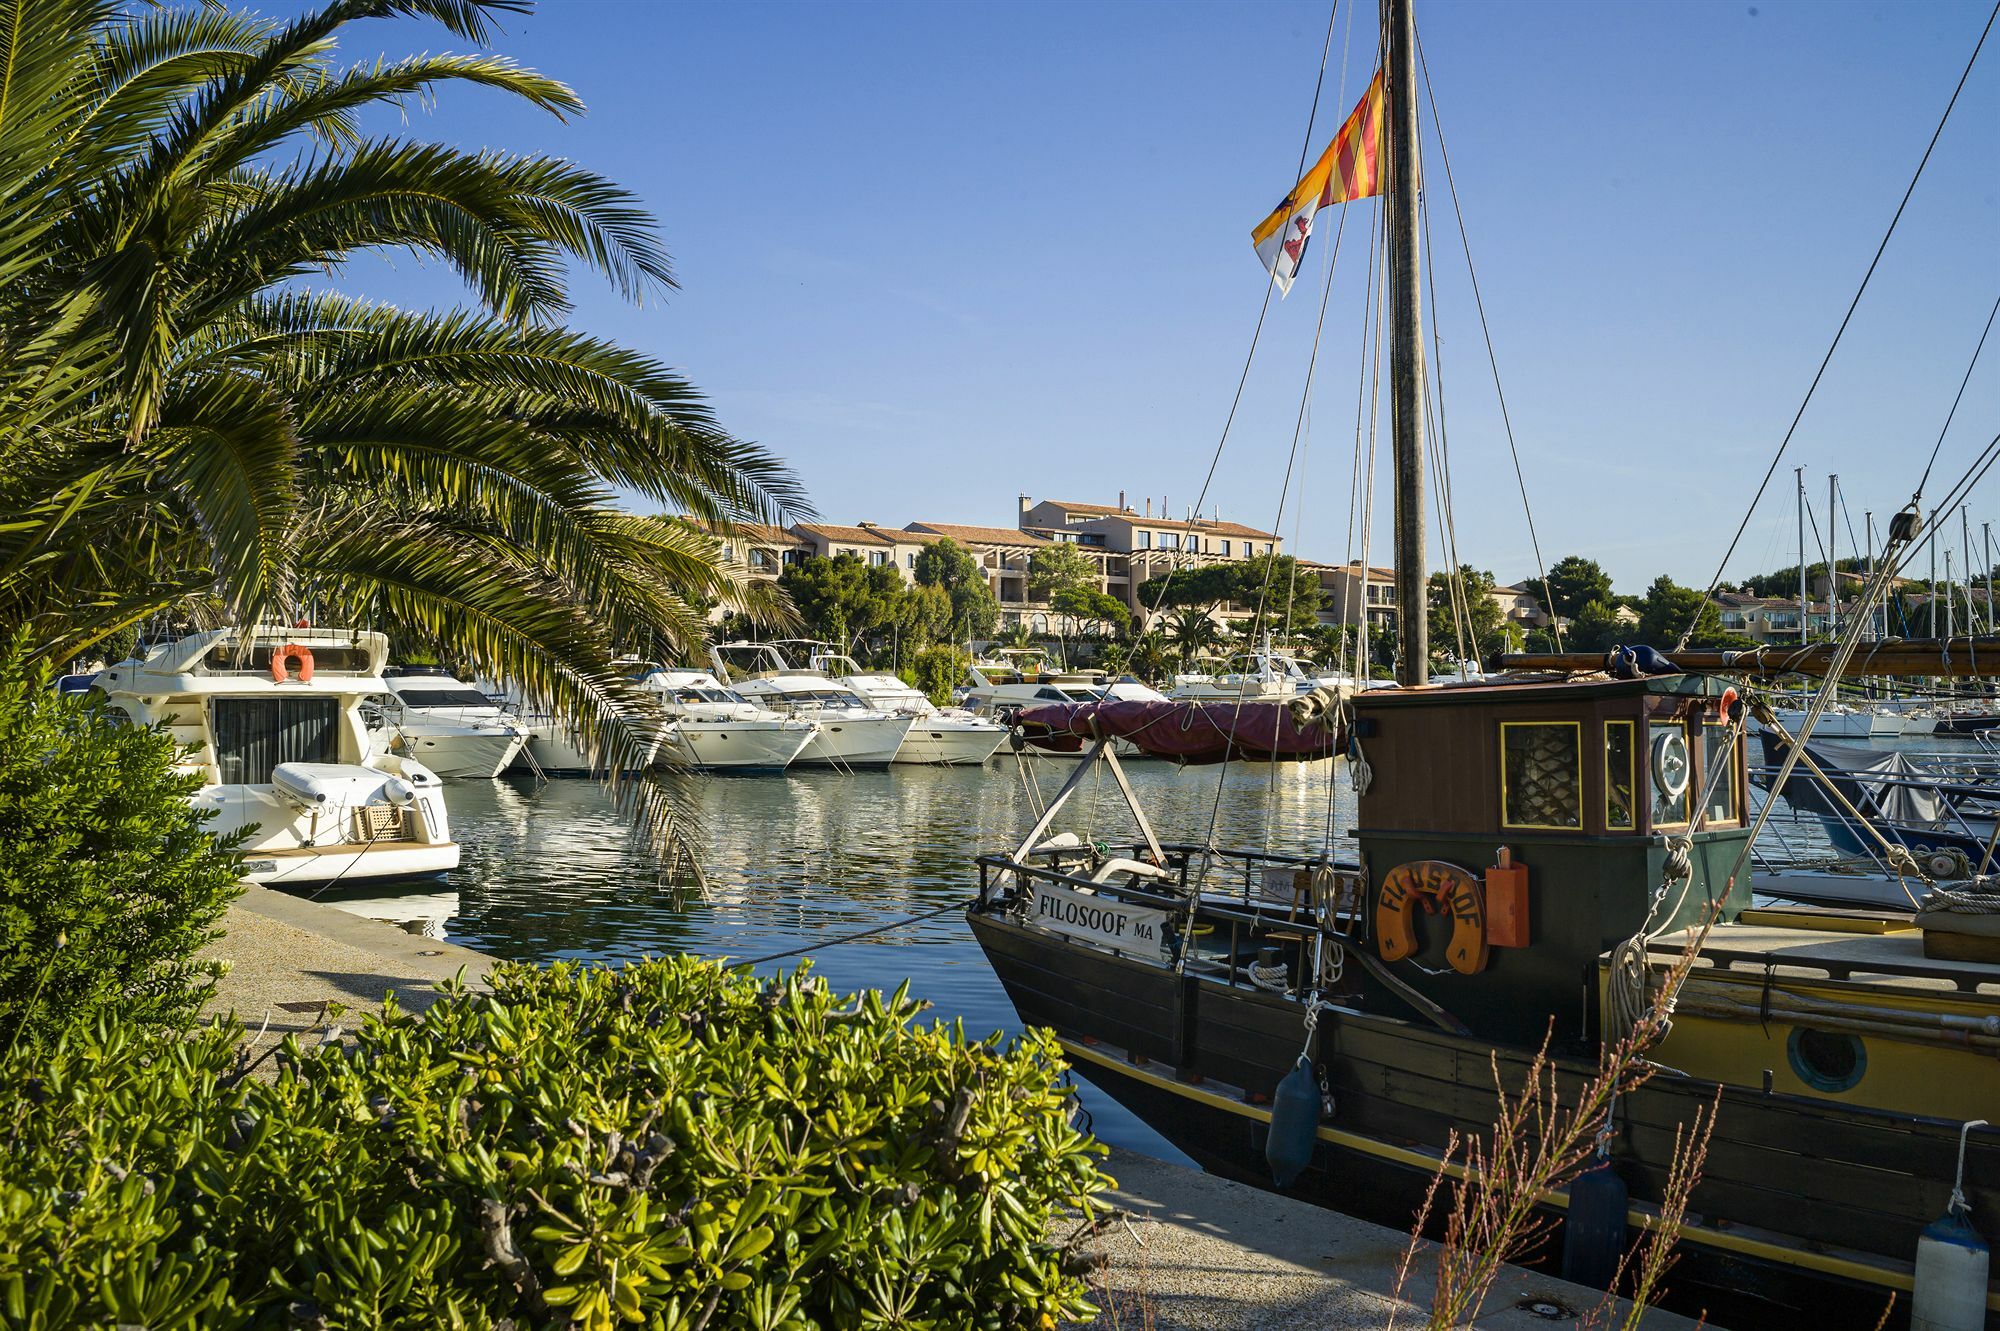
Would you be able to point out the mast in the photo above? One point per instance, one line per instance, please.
(1406, 382)
(1965, 535)
(1799, 475)
(1868, 526)
(1987, 529)
(1832, 558)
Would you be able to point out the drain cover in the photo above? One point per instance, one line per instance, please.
(1549, 1310)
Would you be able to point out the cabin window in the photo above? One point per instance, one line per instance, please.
(1716, 748)
(1541, 774)
(1620, 810)
(1670, 764)
(254, 735)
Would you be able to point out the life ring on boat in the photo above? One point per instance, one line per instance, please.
(1442, 889)
(282, 658)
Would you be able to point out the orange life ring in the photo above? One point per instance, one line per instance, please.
(1443, 888)
(283, 656)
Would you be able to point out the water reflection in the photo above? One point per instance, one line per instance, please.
(799, 860)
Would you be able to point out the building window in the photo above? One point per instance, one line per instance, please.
(1541, 774)
(1169, 541)
(912, 558)
(1145, 540)
(878, 557)
(1267, 547)
(1225, 549)
(1620, 813)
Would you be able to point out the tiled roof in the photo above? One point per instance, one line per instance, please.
(857, 535)
(752, 531)
(1374, 573)
(979, 535)
(1086, 508)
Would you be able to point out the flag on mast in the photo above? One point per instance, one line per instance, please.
(1350, 168)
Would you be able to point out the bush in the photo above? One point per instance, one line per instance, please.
(936, 671)
(669, 1144)
(108, 884)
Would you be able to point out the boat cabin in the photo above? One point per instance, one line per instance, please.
(1513, 833)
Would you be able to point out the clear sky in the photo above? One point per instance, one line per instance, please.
(939, 254)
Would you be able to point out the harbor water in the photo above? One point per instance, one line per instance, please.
(552, 872)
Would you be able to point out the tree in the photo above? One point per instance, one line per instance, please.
(923, 618)
(842, 599)
(1477, 624)
(1088, 606)
(1596, 628)
(1669, 608)
(1057, 566)
(198, 424)
(947, 564)
(1193, 632)
(1573, 583)
(936, 671)
(1148, 657)
(1212, 586)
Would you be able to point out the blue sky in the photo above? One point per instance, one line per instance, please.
(939, 254)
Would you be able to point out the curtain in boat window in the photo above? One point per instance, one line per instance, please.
(254, 735)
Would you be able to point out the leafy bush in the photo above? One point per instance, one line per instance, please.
(108, 884)
(936, 671)
(669, 1144)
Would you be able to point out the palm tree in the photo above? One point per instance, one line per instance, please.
(189, 430)
(1192, 632)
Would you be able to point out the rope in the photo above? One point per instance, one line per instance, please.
(1841, 331)
(855, 937)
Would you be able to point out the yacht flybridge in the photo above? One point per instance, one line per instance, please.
(938, 736)
(272, 720)
(850, 732)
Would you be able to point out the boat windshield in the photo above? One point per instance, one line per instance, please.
(705, 695)
(465, 697)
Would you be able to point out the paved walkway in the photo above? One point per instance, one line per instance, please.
(291, 957)
(1200, 1253)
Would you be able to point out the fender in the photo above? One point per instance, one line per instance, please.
(1443, 889)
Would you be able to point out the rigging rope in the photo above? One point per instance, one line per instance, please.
(1840, 332)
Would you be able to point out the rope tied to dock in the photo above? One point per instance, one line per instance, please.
(856, 937)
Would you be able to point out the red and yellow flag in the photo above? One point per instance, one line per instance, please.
(1350, 168)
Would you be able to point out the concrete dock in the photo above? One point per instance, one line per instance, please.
(1188, 1251)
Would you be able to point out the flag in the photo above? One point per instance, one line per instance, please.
(1350, 168)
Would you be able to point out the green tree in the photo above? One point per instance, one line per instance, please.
(1595, 628)
(109, 886)
(1211, 586)
(1668, 608)
(1478, 615)
(1574, 582)
(936, 671)
(1192, 632)
(199, 423)
(1059, 566)
(923, 618)
(1149, 657)
(1089, 607)
(842, 599)
(949, 565)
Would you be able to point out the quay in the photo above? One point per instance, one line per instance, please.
(1188, 1251)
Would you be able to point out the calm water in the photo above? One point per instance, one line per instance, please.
(551, 871)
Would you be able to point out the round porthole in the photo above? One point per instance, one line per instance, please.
(1827, 1061)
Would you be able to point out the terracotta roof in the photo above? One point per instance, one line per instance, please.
(1087, 508)
(979, 535)
(753, 531)
(1374, 573)
(857, 535)
(1230, 529)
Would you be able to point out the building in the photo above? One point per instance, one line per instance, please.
(1131, 546)
(1767, 619)
(1348, 590)
(1004, 553)
(1521, 608)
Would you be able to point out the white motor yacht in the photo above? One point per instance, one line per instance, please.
(715, 729)
(271, 719)
(851, 733)
(448, 725)
(938, 736)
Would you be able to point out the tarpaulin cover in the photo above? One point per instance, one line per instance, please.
(1187, 732)
(1881, 783)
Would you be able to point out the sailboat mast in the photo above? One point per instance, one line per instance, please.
(1799, 474)
(1406, 383)
(1832, 563)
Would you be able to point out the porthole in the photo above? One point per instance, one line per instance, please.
(1826, 1060)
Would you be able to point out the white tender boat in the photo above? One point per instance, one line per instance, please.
(715, 729)
(851, 733)
(938, 736)
(272, 720)
(449, 726)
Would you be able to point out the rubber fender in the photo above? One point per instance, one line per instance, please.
(1294, 1124)
(1594, 1233)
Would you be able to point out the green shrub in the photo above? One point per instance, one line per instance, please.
(936, 671)
(108, 884)
(669, 1144)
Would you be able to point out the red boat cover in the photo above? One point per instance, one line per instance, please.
(1187, 732)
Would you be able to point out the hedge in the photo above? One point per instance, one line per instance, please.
(669, 1144)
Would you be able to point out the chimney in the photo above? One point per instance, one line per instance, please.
(1022, 521)
(1149, 506)
(1121, 501)
(1166, 514)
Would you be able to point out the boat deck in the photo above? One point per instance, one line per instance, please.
(1893, 958)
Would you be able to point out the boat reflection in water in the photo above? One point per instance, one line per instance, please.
(424, 914)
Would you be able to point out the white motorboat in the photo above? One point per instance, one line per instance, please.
(715, 729)
(938, 736)
(851, 733)
(271, 720)
(1840, 721)
(448, 725)
(1265, 676)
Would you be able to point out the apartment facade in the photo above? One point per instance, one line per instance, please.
(1132, 546)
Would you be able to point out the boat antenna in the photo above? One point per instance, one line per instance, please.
(1406, 365)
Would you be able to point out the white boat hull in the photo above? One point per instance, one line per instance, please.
(461, 755)
(349, 863)
(736, 746)
(940, 743)
(868, 741)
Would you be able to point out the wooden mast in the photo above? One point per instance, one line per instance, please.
(1406, 349)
